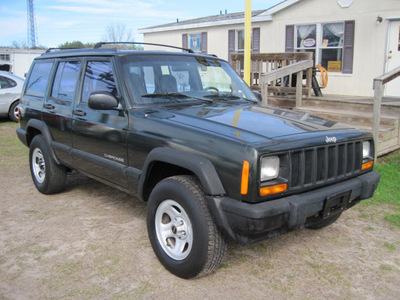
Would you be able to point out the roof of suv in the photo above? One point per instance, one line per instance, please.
(111, 52)
(98, 51)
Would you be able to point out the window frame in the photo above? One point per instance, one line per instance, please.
(57, 63)
(5, 57)
(319, 47)
(83, 73)
(49, 79)
(11, 83)
(192, 37)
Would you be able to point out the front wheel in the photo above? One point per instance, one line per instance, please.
(181, 229)
(48, 177)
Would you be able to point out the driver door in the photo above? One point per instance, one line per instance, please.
(98, 136)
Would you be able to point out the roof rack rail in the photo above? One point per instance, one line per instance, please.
(72, 48)
(98, 45)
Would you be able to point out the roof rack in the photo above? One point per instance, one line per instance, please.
(98, 45)
(53, 49)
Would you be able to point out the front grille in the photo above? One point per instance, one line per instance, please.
(324, 164)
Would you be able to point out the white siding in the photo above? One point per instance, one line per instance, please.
(369, 44)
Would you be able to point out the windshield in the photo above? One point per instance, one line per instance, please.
(169, 78)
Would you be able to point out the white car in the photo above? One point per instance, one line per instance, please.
(10, 93)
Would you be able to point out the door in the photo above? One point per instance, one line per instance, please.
(98, 136)
(58, 107)
(393, 87)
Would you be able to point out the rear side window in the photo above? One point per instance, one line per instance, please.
(64, 85)
(6, 83)
(38, 79)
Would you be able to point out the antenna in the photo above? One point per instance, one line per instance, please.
(32, 35)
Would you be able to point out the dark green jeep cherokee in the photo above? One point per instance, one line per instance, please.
(185, 134)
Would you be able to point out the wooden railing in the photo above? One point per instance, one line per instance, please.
(270, 73)
(379, 82)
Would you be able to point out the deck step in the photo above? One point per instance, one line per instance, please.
(389, 133)
(350, 103)
(351, 117)
(353, 111)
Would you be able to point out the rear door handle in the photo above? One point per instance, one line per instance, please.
(49, 106)
(79, 113)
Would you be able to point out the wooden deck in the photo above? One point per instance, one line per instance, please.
(273, 75)
(354, 111)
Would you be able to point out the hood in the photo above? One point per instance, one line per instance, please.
(249, 123)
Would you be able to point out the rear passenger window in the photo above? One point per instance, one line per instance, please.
(99, 77)
(6, 83)
(64, 85)
(37, 83)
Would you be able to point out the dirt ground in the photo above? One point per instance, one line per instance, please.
(90, 242)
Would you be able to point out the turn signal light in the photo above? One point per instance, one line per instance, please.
(245, 178)
(275, 189)
(367, 165)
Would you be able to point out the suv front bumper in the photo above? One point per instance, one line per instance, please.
(247, 223)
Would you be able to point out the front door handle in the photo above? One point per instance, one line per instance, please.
(79, 113)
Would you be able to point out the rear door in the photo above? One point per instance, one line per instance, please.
(99, 136)
(57, 108)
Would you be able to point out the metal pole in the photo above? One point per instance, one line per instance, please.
(247, 42)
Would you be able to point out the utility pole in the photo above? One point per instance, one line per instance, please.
(32, 36)
(247, 42)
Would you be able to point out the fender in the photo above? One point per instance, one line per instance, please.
(41, 126)
(200, 166)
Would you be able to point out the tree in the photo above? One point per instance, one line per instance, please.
(117, 33)
(74, 44)
(23, 45)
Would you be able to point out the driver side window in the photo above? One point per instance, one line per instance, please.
(99, 77)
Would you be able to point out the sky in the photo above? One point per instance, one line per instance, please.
(60, 21)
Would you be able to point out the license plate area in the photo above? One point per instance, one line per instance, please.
(336, 203)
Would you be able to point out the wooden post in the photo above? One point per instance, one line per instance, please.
(299, 88)
(378, 87)
(309, 82)
(264, 92)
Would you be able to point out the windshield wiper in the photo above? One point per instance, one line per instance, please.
(174, 94)
(228, 97)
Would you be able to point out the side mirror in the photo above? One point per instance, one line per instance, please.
(102, 101)
(258, 95)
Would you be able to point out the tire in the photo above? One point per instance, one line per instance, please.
(181, 229)
(13, 113)
(48, 177)
(315, 225)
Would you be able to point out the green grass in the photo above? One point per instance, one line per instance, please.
(388, 192)
(12, 152)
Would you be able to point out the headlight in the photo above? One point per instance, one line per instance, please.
(366, 149)
(269, 168)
